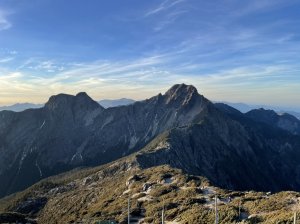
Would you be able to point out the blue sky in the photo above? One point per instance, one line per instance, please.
(232, 50)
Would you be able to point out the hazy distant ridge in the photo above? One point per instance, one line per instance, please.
(18, 107)
(244, 108)
(116, 102)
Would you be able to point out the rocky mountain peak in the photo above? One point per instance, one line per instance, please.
(60, 100)
(82, 95)
(82, 99)
(63, 101)
(179, 89)
(181, 93)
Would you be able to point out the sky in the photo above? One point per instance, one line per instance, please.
(231, 50)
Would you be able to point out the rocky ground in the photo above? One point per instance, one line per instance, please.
(102, 193)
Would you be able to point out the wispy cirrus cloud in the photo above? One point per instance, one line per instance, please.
(38, 64)
(239, 51)
(6, 59)
(150, 75)
(98, 78)
(165, 5)
(168, 12)
(260, 6)
(169, 19)
(4, 22)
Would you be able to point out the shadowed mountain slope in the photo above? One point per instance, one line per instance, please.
(71, 131)
(284, 121)
(216, 141)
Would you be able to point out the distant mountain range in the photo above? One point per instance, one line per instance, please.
(18, 107)
(115, 102)
(244, 108)
(257, 150)
(106, 103)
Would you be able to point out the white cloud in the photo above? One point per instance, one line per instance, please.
(224, 60)
(6, 59)
(4, 22)
(99, 78)
(37, 64)
(145, 77)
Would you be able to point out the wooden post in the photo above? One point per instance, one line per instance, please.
(240, 210)
(295, 217)
(163, 215)
(216, 210)
(128, 210)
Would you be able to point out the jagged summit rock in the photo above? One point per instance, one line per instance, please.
(79, 108)
(180, 89)
(58, 100)
(83, 94)
(181, 93)
(66, 100)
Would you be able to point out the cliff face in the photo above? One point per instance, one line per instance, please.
(35, 142)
